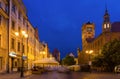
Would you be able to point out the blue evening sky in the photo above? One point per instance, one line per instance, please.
(60, 21)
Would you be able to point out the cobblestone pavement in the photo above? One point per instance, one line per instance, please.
(56, 75)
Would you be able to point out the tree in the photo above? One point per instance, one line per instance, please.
(68, 60)
(110, 56)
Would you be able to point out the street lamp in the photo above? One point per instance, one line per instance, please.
(24, 35)
(89, 52)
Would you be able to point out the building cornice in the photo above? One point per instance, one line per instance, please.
(21, 7)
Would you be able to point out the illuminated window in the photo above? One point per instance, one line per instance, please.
(105, 26)
(108, 26)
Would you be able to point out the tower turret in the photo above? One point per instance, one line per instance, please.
(106, 23)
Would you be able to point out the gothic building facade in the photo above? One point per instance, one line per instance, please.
(110, 31)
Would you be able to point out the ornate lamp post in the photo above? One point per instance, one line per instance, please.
(24, 35)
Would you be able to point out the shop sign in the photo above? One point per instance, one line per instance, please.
(12, 54)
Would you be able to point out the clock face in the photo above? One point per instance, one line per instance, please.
(89, 29)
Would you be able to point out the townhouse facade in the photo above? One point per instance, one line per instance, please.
(19, 39)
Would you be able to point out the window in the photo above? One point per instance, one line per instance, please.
(0, 5)
(15, 64)
(23, 21)
(108, 26)
(18, 46)
(0, 63)
(19, 15)
(0, 19)
(23, 49)
(12, 43)
(105, 26)
(19, 29)
(13, 25)
(31, 30)
(28, 49)
(6, 8)
(13, 8)
(0, 40)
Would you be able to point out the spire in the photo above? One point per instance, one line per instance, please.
(106, 9)
(106, 22)
(106, 15)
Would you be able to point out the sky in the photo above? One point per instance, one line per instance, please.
(59, 21)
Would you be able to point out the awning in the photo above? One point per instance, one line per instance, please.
(46, 61)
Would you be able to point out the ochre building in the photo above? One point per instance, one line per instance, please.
(18, 38)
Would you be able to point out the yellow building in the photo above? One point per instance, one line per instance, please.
(44, 50)
(3, 34)
(19, 40)
(92, 46)
(31, 45)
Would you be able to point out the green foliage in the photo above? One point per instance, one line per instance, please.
(68, 60)
(110, 56)
(97, 61)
